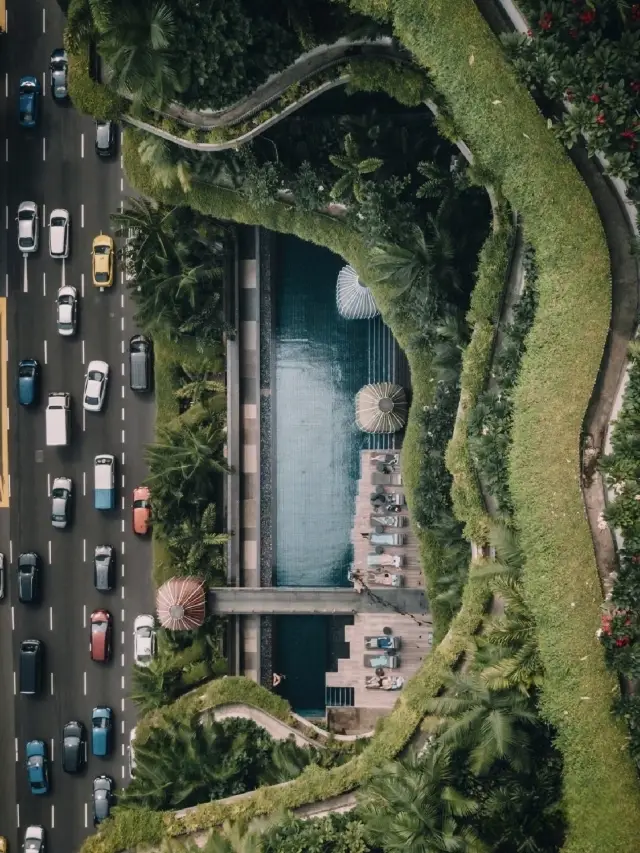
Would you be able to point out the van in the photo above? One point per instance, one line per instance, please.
(140, 363)
(104, 481)
(31, 653)
(59, 233)
(57, 419)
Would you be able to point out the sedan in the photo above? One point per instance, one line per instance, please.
(105, 139)
(144, 640)
(34, 839)
(104, 568)
(102, 798)
(95, 386)
(28, 381)
(37, 767)
(100, 636)
(74, 747)
(141, 510)
(29, 578)
(28, 94)
(102, 260)
(61, 493)
(101, 731)
(58, 74)
(28, 227)
(67, 310)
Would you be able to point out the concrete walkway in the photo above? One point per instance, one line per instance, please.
(275, 727)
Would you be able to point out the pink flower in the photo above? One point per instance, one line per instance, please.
(600, 119)
(588, 16)
(594, 98)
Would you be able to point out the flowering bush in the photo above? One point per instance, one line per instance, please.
(587, 52)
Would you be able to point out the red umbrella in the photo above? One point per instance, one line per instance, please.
(180, 603)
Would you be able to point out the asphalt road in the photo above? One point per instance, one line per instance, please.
(55, 166)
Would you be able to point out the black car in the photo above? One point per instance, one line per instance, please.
(102, 798)
(59, 74)
(28, 577)
(105, 139)
(74, 747)
(104, 568)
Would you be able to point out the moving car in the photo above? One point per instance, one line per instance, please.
(104, 568)
(67, 310)
(37, 767)
(104, 477)
(58, 74)
(28, 227)
(61, 493)
(29, 577)
(105, 139)
(140, 363)
(144, 640)
(30, 667)
(132, 754)
(100, 636)
(102, 798)
(34, 839)
(102, 260)
(74, 747)
(28, 381)
(59, 233)
(141, 510)
(101, 731)
(95, 386)
(28, 94)
(3, 844)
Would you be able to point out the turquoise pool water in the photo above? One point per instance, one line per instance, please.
(321, 361)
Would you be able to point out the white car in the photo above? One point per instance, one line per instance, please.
(67, 310)
(132, 754)
(95, 386)
(144, 640)
(28, 227)
(59, 233)
(61, 494)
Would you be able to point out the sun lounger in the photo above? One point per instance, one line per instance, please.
(395, 560)
(392, 539)
(383, 641)
(378, 479)
(392, 520)
(385, 579)
(387, 661)
(383, 682)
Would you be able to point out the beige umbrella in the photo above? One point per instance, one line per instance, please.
(381, 408)
(180, 603)
(354, 299)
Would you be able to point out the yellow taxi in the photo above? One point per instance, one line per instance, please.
(3, 844)
(102, 254)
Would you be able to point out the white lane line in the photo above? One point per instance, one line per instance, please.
(123, 771)
(52, 749)
(121, 205)
(17, 815)
(51, 618)
(122, 324)
(16, 745)
(123, 525)
(122, 548)
(121, 185)
(64, 272)
(123, 502)
(122, 641)
(122, 588)
(122, 369)
(82, 215)
(122, 731)
(123, 436)
(49, 551)
(25, 277)
(122, 683)
(44, 83)
(122, 700)
(84, 481)
(86, 816)
(122, 392)
(122, 573)
(44, 213)
(44, 21)
(84, 615)
(84, 682)
(13, 618)
(14, 684)
(6, 216)
(6, 284)
(44, 148)
(6, 85)
(45, 352)
(84, 420)
(123, 481)
(49, 485)
(53, 809)
(10, 550)
(82, 144)
(82, 284)
(122, 347)
(83, 356)
(122, 615)
(122, 745)
(121, 295)
(122, 417)
(44, 284)
(52, 684)
(6, 151)
(122, 159)
(84, 550)
(122, 659)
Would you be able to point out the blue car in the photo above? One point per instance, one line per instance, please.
(37, 767)
(28, 381)
(29, 93)
(101, 729)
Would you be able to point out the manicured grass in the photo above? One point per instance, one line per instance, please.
(503, 128)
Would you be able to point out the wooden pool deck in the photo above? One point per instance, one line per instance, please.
(415, 632)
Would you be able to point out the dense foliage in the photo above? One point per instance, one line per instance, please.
(587, 54)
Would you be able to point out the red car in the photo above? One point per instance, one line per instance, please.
(100, 636)
(141, 510)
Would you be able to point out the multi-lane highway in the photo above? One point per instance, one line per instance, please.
(55, 166)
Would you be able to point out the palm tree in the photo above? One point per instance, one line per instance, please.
(491, 724)
(148, 223)
(155, 685)
(236, 838)
(411, 806)
(196, 546)
(409, 268)
(192, 454)
(449, 347)
(135, 44)
(200, 390)
(353, 169)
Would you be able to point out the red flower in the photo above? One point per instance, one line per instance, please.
(573, 33)
(594, 98)
(545, 25)
(530, 33)
(635, 12)
(635, 85)
(588, 16)
(635, 559)
(569, 96)
(622, 641)
(628, 134)
(600, 119)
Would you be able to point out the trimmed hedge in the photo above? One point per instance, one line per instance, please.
(483, 316)
(315, 784)
(501, 124)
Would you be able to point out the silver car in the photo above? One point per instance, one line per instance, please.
(144, 639)
(95, 386)
(34, 839)
(28, 227)
(61, 502)
(67, 310)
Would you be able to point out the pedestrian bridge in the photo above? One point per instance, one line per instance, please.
(320, 601)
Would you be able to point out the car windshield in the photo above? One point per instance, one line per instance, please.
(102, 250)
(26, 370)
(144, 631)
(59, 492)
(100, 627)
(57, 221)
(140, 504)
(102, 276)
(58, 63)
(25, 215)
(92, 401)
(100, 723)
(95, 375)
